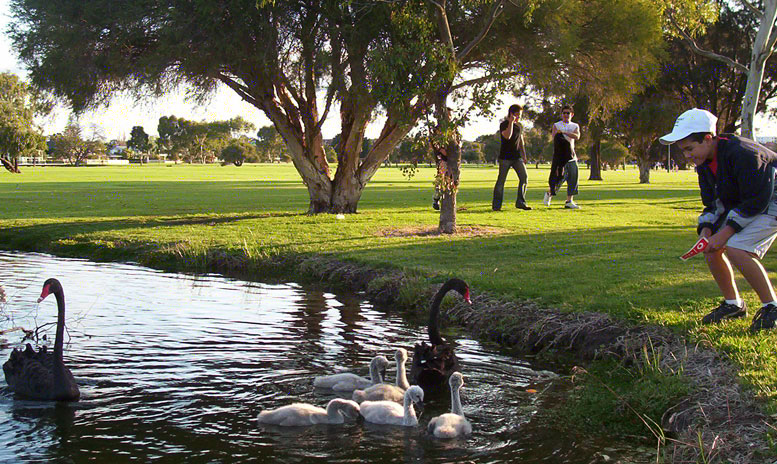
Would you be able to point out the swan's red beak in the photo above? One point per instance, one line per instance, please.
(44, 293)
(466, 297)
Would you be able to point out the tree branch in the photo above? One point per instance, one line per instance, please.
(241, 90)
(689, 40)
(752, 8)
(771, 42)
(480, 80)
(444, 26)
(493, 14)
(330, 93)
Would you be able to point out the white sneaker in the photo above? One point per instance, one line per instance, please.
(571, 205)
(546, 199)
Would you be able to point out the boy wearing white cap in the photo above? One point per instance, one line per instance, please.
(737, 184)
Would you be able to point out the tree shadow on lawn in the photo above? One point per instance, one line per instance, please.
(30, 237)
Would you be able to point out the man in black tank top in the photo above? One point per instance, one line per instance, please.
(512, 154)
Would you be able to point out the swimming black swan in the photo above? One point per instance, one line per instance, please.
(433, 364)
(43, 375)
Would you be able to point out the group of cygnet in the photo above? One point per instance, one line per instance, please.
(375, 401)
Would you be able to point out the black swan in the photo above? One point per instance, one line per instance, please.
(433, 364)
(43, 375)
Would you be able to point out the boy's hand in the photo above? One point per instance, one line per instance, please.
(718, 241)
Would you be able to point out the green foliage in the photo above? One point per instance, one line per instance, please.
(70, 146)
(491, 143)
(18, 105)
(472, 152)
(613, 153)
(239, 151)
(539, 146)
(701, 82)
(138, 140)
(197, 141)
(270, 146)
(644, 120)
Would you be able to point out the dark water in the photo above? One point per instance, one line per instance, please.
(175, 368)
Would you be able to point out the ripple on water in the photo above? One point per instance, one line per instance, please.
(178, 367)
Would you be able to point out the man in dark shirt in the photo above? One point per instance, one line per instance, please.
(736, 180)
(512, 154)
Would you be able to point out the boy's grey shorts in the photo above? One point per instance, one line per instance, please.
(756, 237)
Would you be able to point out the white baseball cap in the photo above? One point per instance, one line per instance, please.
(691, 122)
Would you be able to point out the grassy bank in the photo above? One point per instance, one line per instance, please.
(617, 255)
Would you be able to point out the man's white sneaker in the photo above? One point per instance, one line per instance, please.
(571, 205)
(546, 199)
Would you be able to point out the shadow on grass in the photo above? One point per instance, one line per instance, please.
(40, 236)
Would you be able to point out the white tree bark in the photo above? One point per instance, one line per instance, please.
(762, 49)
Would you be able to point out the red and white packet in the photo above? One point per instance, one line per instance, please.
(700, 246)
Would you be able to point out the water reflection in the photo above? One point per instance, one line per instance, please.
(178, 367)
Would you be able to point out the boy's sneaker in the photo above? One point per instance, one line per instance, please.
(523, 206)
(546, 199)
(765, 318)
(725, 311)
(571, 205)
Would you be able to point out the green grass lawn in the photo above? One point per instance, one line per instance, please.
(619, 254)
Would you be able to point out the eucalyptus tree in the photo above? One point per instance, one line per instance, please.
(761, 43)
(138, 140)
(19, 103)
(71, 146)
(277, 55)
(698, 80)
(193, 140)
(293, 59)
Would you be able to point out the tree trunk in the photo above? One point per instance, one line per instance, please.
(346, 195)
(595, 160)
(449, 188)
(756, 69)
(644, 171)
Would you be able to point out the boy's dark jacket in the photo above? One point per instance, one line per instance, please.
(743, 186)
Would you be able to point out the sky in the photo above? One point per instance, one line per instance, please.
(116, 120)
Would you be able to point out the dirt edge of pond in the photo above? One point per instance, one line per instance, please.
(732, 425)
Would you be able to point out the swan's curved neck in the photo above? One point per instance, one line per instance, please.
(456, 402)
(410, 417)
(334, 413)
(434, 327)
(60, 338)
(375, 376)
(402, 375)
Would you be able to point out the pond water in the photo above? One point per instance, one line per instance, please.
(175, 368)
